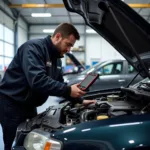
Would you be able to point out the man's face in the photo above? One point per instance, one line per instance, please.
(64, 44)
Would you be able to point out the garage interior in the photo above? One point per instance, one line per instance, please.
(20, 22)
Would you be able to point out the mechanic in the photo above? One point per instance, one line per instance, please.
(34, 74)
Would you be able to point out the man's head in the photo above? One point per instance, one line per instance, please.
(64, 37)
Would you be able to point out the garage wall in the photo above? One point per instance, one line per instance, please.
(4, 19)
(109, 52)
(37, 30)
(93, 48)
(22, 32)
(7, 21)
(97, 49)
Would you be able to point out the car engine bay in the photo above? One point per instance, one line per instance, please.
(134, 100)
(125, 101)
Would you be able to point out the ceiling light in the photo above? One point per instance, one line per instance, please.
(41, 15)
(48, 30)
(90, 31)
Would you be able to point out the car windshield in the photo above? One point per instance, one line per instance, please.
(93, 68)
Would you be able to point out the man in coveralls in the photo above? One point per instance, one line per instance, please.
(34, 74)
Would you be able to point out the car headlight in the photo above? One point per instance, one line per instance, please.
(40, 140)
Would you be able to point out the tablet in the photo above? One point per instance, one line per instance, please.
(88, 81)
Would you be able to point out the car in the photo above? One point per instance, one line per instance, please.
(120, 119)
(113, 74)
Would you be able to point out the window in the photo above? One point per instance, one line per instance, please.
(111, 69)
(131, 69)
(1, 32)
(1, 63)
(9, 35)
(7, 62)
(8, 50)
(106, 70)
(118, 68)
(6, 46)
(1, 48)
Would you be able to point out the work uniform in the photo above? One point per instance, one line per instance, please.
(34, 73)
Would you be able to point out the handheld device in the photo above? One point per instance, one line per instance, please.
(88, 81)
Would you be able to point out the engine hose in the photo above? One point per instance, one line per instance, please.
(85, 114)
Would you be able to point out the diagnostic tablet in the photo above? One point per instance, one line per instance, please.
(88, 81)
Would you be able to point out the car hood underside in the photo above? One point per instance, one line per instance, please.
(120, 25)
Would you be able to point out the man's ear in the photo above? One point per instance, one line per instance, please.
(58, 36)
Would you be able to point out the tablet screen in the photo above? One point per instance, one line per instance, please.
(88, 80)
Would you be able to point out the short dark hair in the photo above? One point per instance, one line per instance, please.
(66, 29)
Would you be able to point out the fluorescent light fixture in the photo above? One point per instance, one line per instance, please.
(41, 15)
(48, 30)
(90, 31)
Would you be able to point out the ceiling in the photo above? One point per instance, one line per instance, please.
(60, 15)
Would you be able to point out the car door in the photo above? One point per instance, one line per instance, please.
(110, 76)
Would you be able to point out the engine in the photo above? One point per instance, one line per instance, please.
(66, 114)
(105, 107)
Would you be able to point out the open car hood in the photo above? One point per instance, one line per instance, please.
(120, 25)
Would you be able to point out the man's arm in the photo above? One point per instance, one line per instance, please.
(35, 71)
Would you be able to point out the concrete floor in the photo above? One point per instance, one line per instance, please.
(51, 101)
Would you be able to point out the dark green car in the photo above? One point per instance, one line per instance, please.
(120, 120)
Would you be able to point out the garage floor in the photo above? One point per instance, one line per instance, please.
(40, 109)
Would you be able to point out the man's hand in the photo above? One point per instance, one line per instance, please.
(76, 92)
(87, 102)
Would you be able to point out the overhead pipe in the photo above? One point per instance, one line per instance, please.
(62, 5)
(139, 5)
(36, 6)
